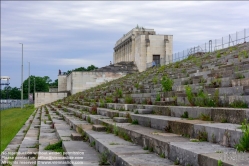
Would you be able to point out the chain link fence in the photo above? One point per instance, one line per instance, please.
(6, 104)
(210, 46)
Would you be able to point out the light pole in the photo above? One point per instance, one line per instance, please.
(34, 90)
(29, 83)
(22, 78)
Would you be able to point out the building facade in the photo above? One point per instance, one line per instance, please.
(142, 46)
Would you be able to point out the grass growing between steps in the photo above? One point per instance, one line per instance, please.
(103, 158)
(57, 147)
(244, 140)
(12, 120)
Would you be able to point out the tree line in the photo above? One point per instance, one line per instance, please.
(41, 84)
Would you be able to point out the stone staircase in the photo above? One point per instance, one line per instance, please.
(186, 113)
(125, 67)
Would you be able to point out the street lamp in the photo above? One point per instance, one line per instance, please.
(34, 89)
(22, 78)
(29, 83)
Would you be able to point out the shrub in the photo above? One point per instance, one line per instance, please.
(102, 103)
(220, 163)
(88, 119)
(185, 115)
(57, 147)
(158, 97)
(202, 135)
(243, 144)
(155, 80)
(94, 110)
(238, 104)
(167, 83)
(205, 117)
(135, 122)
(137, 85)
(119, 93)
(109, 100)
(92, 144)
(128, 99)
(218, 55)
(189, 94)
(239, 76)
(216, 82)
(103, 158)
(115, 130)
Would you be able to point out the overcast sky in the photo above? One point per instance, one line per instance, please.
(67, 35)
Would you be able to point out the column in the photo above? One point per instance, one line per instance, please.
(126, 52)
(133, 49)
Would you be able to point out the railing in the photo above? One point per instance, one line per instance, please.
(210, 46)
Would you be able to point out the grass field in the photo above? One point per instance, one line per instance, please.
(11, 122)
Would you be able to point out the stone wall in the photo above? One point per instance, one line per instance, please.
(52, 89)
(42, 98)
(62, 83)
(79, 81)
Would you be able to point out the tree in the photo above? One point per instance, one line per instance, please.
(41, 85)
(10, 93)
(15, 93)
(89, 68)
(47, 79)
(54, 84)
(92, 67)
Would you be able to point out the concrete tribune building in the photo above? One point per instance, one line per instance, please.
(142, 46)
(132, 53)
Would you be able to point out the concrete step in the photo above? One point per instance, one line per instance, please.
(173, 146)
(226, 134)
(217, 114)
(124, 152)
(24, 144)
(48, 136)
(77, 151)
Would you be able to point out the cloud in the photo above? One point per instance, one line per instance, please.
(69, 34)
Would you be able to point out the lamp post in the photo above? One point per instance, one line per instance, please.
(34, 90)
(22, 78)
(29, 83)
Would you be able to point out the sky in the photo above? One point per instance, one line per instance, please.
(66, 35)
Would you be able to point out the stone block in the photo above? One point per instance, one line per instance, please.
(76, 136)
(120, 119)
(98, 128)
(37, 126)
(48, 122)
(144, 111)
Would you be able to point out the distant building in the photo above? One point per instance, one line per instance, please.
(142, 46)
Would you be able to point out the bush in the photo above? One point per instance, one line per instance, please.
(158, 97)
(155, 80)
(128, 99)
(94, 110)
(239, 76)
(109, 100)
(189, 94)
(167, 84)
(244, 140)
(102, 103)
(238, 104)
(119, 93)
(185, 115)
(135, 122)
(57, 147)
(103, 158)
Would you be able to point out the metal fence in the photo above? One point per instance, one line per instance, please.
(6, 104)
(210, 46)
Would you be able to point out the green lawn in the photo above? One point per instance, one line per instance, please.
(11, 122)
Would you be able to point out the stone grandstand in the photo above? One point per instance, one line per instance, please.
(186, 113)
